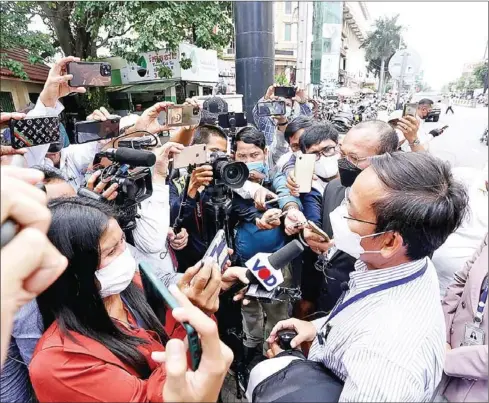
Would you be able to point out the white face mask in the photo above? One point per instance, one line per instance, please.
(117, 275)
(297, 153)
(344, 238)
(326, 167)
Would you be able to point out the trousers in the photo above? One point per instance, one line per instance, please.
(256, 326)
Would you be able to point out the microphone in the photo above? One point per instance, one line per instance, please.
(265, 269)
(140, 158)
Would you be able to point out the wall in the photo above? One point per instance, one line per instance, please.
(20, 91)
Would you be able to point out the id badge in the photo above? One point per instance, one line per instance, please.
(474, 336)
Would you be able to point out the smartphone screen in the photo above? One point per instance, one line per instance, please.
(34, 131)
(218, 250)
(155, 289)
(94, 130)
(284, 92)
(271, 108)
(183, 115)
(88, 74)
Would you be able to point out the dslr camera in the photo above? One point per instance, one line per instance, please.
(227, 172)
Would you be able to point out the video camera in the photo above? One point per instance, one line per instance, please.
(130, 170)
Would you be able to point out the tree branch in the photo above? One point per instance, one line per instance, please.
(109, 37)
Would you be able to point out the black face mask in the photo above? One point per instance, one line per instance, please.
(348, 172)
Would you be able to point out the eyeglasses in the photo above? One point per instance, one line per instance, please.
(328, 151)
(353, 158)
(346, 203)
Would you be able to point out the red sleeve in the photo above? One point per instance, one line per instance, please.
(174, 329)
(58, 376)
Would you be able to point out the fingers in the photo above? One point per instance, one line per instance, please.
(5, 116)
(203, 276)
(283, 324)
(93, 178)
(60, 65)
(175, 366)
(189, 275)
(111, 193)
(28, 175)
(101, 114)
(36, 270)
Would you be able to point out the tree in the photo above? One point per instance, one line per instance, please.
(481, 74)
(80, 28)
(381, 44)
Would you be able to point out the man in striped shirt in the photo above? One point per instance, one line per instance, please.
(385, 338)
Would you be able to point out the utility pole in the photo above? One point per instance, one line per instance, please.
(304, 41)
(255, 51)
(401, 77)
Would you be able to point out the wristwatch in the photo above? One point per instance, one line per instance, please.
(415, 142)
(282, 124)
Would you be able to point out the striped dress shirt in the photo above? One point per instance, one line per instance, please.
(388, 346)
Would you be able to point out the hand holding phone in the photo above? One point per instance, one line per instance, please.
(410, 109)
(285, 92)
(205, 383)
(271, 108)
(304, 171)
(180, 115)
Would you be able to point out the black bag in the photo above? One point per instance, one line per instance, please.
(300, 381)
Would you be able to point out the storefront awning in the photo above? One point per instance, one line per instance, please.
(117, 88)
(150, 87)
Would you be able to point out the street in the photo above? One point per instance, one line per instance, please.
(460, 144)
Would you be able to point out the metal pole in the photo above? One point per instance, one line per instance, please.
(401, 77)
(255, 51)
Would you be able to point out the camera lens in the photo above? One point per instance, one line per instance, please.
(234, 174)
(196, 111)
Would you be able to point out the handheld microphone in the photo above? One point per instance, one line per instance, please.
(265, 269)
(139, 158)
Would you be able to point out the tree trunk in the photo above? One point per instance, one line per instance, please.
(60, 22)
(381, 81)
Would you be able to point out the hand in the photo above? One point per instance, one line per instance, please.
(201, 176)
(261, 196)
(256, 176)
(448, 347)
(230, 276)
(294, 221)
(25, 274)
(292, 184)
(409, 126)
(56, 85)
(269, 95)
(306, 331)
(148, 121)
(300, 96)
(274, 350)
(316, 242)
(202, 285)
(269, 220)
(6, 116)
(180, 241)
(163, 155)
(108, 194)
(203, 385)
(8, 150)
(101, 114)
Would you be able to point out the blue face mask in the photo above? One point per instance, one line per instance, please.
(258, 166)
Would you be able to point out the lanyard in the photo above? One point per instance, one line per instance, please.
(482, 302)
(341, 306)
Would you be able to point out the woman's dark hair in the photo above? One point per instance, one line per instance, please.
(316, 134)
(74, 300)
(251, 135)
(51, 174)
(422, 201)
(296, 124)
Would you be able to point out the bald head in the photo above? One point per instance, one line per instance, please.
(370, 138)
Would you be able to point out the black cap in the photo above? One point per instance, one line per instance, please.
(215, 105)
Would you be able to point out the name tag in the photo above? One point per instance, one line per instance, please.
(474, 336)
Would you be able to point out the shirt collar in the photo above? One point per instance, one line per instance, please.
(363, 279)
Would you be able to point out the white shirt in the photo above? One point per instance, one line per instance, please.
(462, 244)
(423, 136)
(388, 346)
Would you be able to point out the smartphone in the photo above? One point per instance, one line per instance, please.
(271, 108)
(304, 171)
(285, 92)
(232, 119)
(192, 155)
(410, 109)
(89, 74)
(272, 219)
(318, 231)
(218, 250)
(153, 286)
(94, 130)
(34, 131)
(180, 115)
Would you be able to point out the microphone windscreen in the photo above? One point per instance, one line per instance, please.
(285, 255)
(138, 158)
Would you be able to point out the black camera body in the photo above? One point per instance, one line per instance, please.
(227, 172)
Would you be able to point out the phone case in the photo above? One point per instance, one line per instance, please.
(179, 115)
(318, 231)
(95, 130)
(304, 171)
(218, 250)
(34, 131)
(410, 109)
(193, 155)
(89, 74)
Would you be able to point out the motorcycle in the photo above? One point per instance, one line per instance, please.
(484, 137)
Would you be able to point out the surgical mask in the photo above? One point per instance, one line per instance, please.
(326, 167)
(348, 172)
(344, 238)
(258, 166)
(117, 275)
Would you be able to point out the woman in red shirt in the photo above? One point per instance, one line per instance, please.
(101, 331)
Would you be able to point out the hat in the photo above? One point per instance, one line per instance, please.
(215, 105)
(396, 115)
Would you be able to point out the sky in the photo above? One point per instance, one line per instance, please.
(445, 34)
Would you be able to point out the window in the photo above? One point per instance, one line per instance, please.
(33, 96)
(288, 8)
(288, 32)
(6, 102)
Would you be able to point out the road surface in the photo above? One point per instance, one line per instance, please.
(460, 144)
